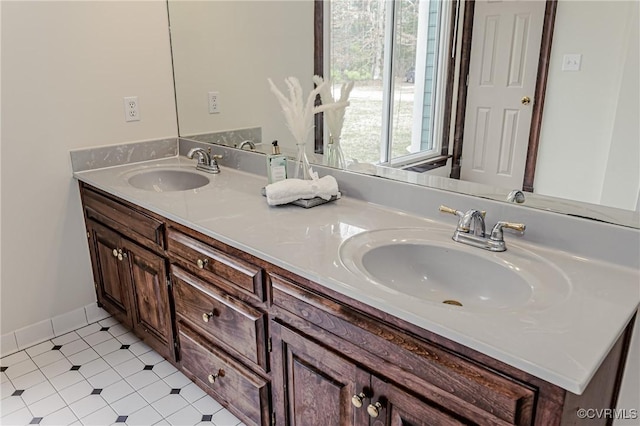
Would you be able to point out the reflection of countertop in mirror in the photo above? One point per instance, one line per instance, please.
(563, 344)
(537, 201)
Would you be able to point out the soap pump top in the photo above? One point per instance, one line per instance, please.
(276, 148)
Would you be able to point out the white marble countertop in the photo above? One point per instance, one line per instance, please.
(563, 344)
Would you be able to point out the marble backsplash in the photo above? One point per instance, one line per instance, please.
(115, 155)
(231, 138)
(134, 152)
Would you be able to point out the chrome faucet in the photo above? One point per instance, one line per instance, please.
(252, 146)
(206, 162)
(471, 230)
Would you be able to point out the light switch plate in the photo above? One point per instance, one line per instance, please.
(571, 62)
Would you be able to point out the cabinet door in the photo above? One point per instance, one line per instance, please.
(151, 308)
(391, 406)
(312, 385)
(109, 275)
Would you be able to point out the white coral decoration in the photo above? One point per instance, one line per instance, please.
(299, 115)
(334, 117)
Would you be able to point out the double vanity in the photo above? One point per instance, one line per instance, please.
(351, 312)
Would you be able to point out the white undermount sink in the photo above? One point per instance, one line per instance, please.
(167, 180)
(430, 266)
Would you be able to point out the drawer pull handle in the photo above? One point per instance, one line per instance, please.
(202, 263)
(356, 400)
(212, 377)
(208, 315)
(374, 409)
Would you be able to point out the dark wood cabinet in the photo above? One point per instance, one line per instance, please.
(399, 376)
(315, 386)
(131, 281)
(312, 385)
(278, 349)
(233, 325)
(150, 301)
(392, 406)
(238, 388)
(110, 279)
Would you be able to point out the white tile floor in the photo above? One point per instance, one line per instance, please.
(101, 375)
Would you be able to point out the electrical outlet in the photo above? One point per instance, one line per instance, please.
(214, 105)
(131, 109)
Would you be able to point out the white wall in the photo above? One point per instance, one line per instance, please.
(65, 68)
(232, 47)
(581, 106)
(622, 176)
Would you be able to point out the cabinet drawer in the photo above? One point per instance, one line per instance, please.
(229, 272)
(438, 374)
(236, 325)
(241, 391)
(135, 224)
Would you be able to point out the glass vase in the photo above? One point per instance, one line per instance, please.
(335, 157)
(302, 166)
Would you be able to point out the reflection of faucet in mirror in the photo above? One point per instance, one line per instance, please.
(516, 196)
(248, 143)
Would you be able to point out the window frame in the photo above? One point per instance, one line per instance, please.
(444, 125)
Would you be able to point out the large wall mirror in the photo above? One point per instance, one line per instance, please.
(588, 153)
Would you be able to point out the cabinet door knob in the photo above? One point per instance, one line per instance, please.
(202, 263)
(356, 400)
(374, 409)
(208, 315)
(120, 254)
(115, 252)
(212, 377)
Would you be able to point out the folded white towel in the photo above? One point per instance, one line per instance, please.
(288, 190)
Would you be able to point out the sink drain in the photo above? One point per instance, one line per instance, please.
(452, 302)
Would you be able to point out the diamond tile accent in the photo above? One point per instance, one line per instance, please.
(96, 392)
(148, 367)
(207, 417)
(125, 346)
(3, 369)
(18, 392)
(105, 329)
(35, 421)
(75, 368)
(56, 348)
(121, 419)
(174, 391)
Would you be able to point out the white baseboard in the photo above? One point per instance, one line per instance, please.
(50, 328)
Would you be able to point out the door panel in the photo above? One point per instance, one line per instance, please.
(313, 386)
(150, 297)
(111, 285)
(503, 70)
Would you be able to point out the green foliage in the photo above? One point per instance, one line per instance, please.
(358, 38)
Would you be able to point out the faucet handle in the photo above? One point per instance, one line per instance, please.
(520, 227)
(496, 233)
(445, 209)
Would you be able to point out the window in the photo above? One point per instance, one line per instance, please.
(397, 54)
